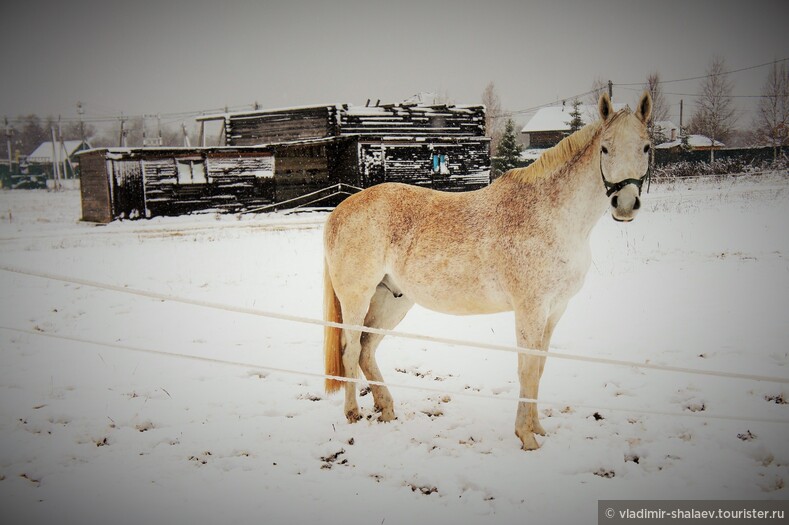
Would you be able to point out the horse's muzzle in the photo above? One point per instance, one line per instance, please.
(625, 204)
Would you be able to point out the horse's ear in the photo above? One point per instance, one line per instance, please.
(605, 106)
(644, 109)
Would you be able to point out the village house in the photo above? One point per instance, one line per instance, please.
(40, 163)
(670, 132)
(551, 124)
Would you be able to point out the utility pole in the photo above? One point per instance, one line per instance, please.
(55, 167)
(122, 138)
(187, 142)
(81, 112)
(62, 153)
(681, 108)
(610, 90)
(8, 134)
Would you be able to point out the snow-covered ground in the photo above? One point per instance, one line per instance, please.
(98, 425)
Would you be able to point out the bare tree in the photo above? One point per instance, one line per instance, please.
(772, 121)
(660, 108)
(659, 112)
(443, 97)
(715, 114)
(599, 86)
(494, 117)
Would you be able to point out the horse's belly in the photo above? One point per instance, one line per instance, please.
(457, 299)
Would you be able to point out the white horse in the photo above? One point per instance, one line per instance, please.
(520, 244)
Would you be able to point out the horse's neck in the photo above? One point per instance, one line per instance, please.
(572, 198)
(585, 193)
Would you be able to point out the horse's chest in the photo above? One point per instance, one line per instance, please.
(554, 269)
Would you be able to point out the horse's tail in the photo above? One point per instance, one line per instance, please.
(332, 336)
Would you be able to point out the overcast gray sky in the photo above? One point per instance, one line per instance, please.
(171, 56)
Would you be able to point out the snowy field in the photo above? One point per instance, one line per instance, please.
(100, 425)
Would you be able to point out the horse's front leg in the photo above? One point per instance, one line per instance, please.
(531, 328)
(545, 345)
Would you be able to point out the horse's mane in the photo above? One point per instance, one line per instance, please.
(567, 151)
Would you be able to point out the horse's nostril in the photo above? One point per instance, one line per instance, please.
(614, 201)
(637, 205)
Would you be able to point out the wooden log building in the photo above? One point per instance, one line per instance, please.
(273, 156)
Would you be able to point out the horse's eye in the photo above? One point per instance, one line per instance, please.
(646, 148)
(605, 150)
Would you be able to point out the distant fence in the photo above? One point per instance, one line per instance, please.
(753, 156)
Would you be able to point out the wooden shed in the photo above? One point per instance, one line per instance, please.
(439, 146)
(283, 155)
(131, 183)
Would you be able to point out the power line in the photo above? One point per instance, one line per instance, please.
(709, 75)
(627, 85)
(182, 115)
(547, 104)
(697, 95)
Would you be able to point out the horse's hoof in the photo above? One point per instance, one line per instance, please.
(538, 429)
(528, 441)
(353, 416)
(386, 416)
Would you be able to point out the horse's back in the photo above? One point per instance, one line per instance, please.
(375, 212)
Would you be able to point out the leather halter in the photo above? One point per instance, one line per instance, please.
(613, 187)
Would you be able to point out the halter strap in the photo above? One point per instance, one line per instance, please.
(613, 187)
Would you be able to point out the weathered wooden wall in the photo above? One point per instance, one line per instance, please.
(146, 182)
(467, 164)
(313, 148)
(278, 126)
(149, 182)
(455, 131)
(391, 120)
(411, 120)
(545, 139)
(95, 188)
(232, 181)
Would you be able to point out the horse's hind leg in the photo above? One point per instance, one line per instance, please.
(387, 309)
(354, 310)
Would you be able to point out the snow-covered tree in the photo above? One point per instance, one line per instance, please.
(509, 152)
(575, 122)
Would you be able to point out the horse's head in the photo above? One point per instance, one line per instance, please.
(624, 155)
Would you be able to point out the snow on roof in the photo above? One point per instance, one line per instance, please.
(694, 141)
(667, 127)
(220, 116)
(389, 109)
(350, 109)
(43, 153)
(556, 118)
